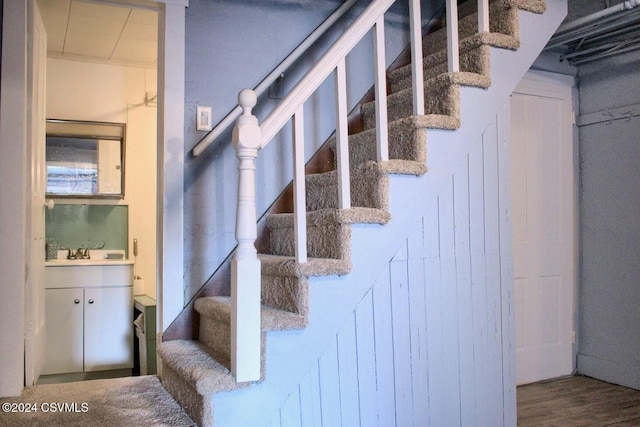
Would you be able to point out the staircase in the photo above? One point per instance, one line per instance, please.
(316, 314)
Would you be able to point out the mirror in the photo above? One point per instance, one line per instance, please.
(85, 159)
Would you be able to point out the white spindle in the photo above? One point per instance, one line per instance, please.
(415, 26)
(245, 266)
(453, 54)
(299, 192)
(379, 63)
(342, 138)
(483, 16)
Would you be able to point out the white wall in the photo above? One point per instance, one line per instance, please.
(115, 93)
(13, 196)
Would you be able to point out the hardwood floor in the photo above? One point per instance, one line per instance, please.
(577, 402)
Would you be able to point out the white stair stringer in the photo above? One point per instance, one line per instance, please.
(333, 299)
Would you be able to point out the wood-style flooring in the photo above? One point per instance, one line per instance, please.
(577, 402)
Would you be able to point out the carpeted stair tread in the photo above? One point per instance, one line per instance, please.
(272, 319)
(354, 215)
(286, 266)
(192, 361)
(501, 15)
(442, 97)
(474, 58)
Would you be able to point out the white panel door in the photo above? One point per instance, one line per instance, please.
(108, 328)
(35, 327)
(542, 186)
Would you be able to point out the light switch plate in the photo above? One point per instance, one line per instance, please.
(203, 118)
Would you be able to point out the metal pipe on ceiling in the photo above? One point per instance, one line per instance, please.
(598, 16)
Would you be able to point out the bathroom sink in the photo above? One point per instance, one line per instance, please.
(97, 257)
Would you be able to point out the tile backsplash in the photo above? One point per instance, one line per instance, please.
(88, 226)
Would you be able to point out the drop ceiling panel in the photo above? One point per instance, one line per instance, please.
(136, 51)
(98, 47)
(100, 32)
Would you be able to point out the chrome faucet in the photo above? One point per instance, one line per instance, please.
(80, 253)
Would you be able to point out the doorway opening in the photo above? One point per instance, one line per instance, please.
(102, 66)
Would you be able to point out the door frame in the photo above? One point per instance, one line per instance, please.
(548, 84)
(14, 169)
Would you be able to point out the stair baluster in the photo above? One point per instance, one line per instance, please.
(453, 51)
(342, 137)
(483, 16)
(417, 71)
(299, 190)
(380, 78)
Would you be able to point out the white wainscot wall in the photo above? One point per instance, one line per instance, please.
(432, 342)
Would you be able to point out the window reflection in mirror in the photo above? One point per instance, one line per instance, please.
(85, 159)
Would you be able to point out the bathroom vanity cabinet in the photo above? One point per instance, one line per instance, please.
(89, 316)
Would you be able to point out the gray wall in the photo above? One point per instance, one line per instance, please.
(232, 45)
(609, 287)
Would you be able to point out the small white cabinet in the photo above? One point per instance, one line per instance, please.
(89, 315)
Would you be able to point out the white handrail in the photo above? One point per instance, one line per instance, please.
(262, 87)
(292, 108)
(272, 124)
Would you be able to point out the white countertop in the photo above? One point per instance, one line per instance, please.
(97, 257)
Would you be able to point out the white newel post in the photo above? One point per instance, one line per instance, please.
(245, 266)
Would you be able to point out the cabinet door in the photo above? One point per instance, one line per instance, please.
(108, 328)
(63, 345)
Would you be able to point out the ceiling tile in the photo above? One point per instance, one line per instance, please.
(139, 32)
(100, 32)
(140, 51)
(99, 11)
(90, 25)
(98, 47)
(142, 16)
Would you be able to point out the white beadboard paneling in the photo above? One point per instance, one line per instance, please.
(366, 361)
(384, 352)
(309, 389)
(290, 411)
(449, 301)
(330, 386)
(435, 334)
(463, 281)
(431, 343)
(347, 365)
(419, 342)
(401, 342)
